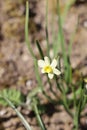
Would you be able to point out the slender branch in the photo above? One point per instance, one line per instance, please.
(37, 115)
(25, 123)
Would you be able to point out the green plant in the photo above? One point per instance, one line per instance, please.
(12, 97)
(66, 75)
(51, 67)
(15, 96)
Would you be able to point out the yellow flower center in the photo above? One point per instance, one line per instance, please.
(48, 69)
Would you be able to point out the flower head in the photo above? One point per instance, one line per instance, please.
(49, 68)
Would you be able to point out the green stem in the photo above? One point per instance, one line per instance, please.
(61, 33)
(54, 93)
(65, 104)
(38, 77)
(78, 109)
(62, 41)
(74, 96)
(26, 30)
(75, 122)
(64, 101)
(84, 103)
(47, 38)
(37, 115)
(25, 123)
(58, 85)
(40, 49)
(48, 97)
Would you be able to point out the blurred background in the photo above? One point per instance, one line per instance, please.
(16, 63)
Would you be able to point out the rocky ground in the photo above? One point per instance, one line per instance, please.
(16, 63)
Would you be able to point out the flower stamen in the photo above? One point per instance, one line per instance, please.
(48, 69)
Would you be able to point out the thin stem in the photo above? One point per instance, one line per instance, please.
(62, 41)
(40, 49)
(58, 85)
(37, 115)
(40, 85)
(71, 41)
(84, 102)
(78, 111)
(48, 97)
(66, 105)
(64, 101)
(25, 123)
(26, 29)
(74, 97)
(47, 37)
(54, 93)
(61, 33)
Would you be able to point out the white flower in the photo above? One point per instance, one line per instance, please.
(49, 68)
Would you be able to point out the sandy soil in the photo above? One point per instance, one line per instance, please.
(16, 63)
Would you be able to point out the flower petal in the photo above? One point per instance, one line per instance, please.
(86, 86)
(47, 61)
(41, 63)
(56, 71)
(54, 63)
(50, 75)
(42, 71)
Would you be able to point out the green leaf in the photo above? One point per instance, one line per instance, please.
(15, 96)
(40, 49)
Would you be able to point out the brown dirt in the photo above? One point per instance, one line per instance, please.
(16, 63)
